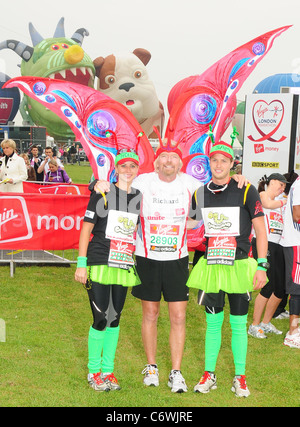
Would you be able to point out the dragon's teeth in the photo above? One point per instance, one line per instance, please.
(83, 70)
(63, 73)
(74, 71)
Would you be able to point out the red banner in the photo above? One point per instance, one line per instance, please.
(49, 188)
(41, 221)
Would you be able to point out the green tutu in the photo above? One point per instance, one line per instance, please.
(236, 279)
(113, 276)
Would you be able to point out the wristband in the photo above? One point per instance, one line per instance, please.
(262, 264)
(81, 261)
(261, 268)
(259, 260)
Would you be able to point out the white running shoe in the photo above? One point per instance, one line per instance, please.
(239, 386)
(256, 331)
(283, 315)
(97, 383)
(110, 379)
(151, 375)
(292, 340)
(176, 382)
(268, 328)
(207, 382)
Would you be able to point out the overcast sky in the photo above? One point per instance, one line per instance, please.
(184, 37)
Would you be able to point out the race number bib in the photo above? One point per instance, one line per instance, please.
(121, 254)
(276, 223)
(164, 237)
(223, 221)
(221, 250)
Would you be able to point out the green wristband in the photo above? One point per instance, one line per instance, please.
(261, 268)
(81, 261)
(259, 260)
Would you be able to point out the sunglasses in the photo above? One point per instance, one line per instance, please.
(127, 150)
(216, 190)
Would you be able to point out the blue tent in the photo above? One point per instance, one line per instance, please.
(272, 84)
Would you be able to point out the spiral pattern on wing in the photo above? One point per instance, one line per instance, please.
(258, 48)
(99, 122)
(199, 168)
(203, 108)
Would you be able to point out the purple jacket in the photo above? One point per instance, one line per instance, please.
(59, 176)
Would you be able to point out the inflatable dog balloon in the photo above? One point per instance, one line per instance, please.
(197, 102)
(101, 124)
(126, 79)
(57, 57)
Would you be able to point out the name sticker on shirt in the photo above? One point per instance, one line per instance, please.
(121, 226)
(224, 221)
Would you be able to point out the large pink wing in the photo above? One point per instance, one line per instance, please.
(90, 114)
(210, 99)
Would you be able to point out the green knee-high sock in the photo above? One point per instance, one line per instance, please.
(95, 345)
(213, 339)
(109, 349)
(239, 342)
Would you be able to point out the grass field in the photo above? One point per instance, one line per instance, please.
(43, 361)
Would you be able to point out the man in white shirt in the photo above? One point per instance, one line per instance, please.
(290, 239)
(44, 165)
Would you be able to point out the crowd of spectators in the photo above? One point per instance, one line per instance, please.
(33, 165)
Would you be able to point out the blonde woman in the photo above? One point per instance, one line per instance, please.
(13, 169)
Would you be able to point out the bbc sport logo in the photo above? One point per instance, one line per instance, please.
(14, 213)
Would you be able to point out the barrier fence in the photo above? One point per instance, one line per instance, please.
(38, 223)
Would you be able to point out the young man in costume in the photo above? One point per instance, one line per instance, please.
(228, 213)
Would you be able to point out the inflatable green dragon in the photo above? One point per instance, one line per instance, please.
(60, 58)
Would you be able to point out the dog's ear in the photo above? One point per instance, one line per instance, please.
(143, 54)
(98, 62)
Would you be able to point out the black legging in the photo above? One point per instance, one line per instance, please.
(238, 305)
(107, 302)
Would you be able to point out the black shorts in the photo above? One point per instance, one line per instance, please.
(214, 303)
(276, 272)
(292, 267)
(162, 277)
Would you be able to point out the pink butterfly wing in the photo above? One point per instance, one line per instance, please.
(90, 114)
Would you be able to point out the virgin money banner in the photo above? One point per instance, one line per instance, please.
(49, 188)
(269, 134)
(31, 221)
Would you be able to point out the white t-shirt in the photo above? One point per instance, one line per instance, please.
(165, 207)
(291, 230)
